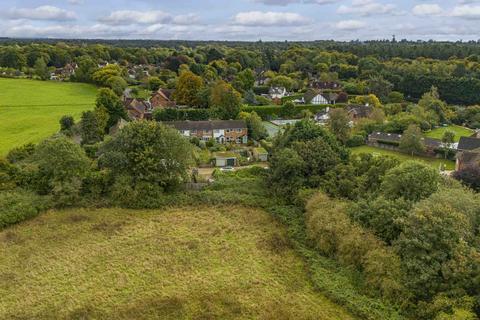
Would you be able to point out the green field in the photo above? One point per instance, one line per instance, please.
(436, 163)
(459, 132)
(226, 262)
(30, 110)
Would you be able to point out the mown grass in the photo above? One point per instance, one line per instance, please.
(203, 262)
(30, 110)
(434, 162)
(458, 130)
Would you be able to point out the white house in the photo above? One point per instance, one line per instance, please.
(319, 99)
(277, 92)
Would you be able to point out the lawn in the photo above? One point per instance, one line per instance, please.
(436, 163)
(272, 129)
(30, 110)
(459, 132)
(226, 262)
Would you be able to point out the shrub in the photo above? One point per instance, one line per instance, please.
(19, 205)
(20, 153)
(356, 141)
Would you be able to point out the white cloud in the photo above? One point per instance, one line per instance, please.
(76, 2)
(41, 13)
(427, 10)
(287, 2)
(350, 25)
(367, 8)
(259, 18)
(466, 11)
(133, 17)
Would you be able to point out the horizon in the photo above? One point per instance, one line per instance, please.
(241, 20)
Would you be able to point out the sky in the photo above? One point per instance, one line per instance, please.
(249, 20)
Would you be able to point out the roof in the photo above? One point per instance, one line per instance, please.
(207, 125)
(360, 111)
(165, 93)
(468, 143)
(277, 90)
(225, 154)
(325, 85)
(260, 150)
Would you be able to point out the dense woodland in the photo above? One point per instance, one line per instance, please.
(407, 238)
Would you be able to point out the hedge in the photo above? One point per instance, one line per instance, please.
(182, 114)
(274, 111)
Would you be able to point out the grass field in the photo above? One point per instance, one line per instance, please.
(30, 110)
(436, 163)
(194, 263)
(459, 132)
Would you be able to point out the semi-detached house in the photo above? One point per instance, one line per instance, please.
(222, 131)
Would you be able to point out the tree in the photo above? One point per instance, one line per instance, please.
(339, 124)
(411, 180)
(62, 165)
(90, 128)
(187, 89)
(282, 81)
(371, 100)
(412, 140)
(101, 76)
(86, 69)
(148, 152)
(380, 87)
(66, 123)
(431, 101)
(117, 84)
(256, 129)
(448, 139)
(225, 100)
(287, 172)
(470, 176)
(109, 101)
(41, 69)
(437, 245)
(244, 80)
(288, 110)
(155, 83)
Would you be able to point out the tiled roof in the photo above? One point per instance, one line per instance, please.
(207, 125)
(468, 143)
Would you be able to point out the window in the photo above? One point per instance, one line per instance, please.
(194, 131)
(239, 130)
(228, 131)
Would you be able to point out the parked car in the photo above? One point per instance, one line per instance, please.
(227, 169)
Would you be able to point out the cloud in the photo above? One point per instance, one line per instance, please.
(133, 17)
(280, 19)
(366, 8)
(41, 13)
(287, 2)
(76, 2)
(466, 11)
(350, 25)
(427, 10)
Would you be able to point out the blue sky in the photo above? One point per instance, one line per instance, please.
(242, 19)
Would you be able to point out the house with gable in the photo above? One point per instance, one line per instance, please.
(221, 131)
(162, 98)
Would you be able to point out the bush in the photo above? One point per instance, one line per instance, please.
(356, 141)
(274, 111)
(19, 205)
(20, 153)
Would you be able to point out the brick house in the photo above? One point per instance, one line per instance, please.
(222, 131)
(161, 99)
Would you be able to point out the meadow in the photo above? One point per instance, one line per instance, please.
(434, 162)
(30, 109)
(223, 262)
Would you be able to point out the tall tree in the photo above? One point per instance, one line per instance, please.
(108, 100)
(188, 88)
(41, 69)
(225, 100)
(412, 140)
(339, 124)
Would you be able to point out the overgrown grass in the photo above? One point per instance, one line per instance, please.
(30, 110)
(434, 162)
(342, 285)
(203, 262)
(458, 130)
